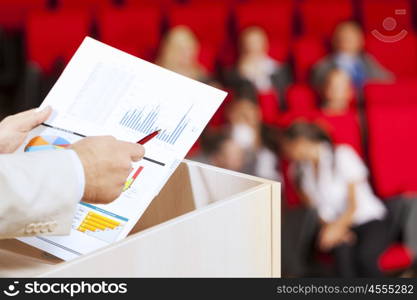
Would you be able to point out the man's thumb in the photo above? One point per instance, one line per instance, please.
(37, 117)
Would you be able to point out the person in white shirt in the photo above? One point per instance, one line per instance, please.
(334, 181)
(40, 190)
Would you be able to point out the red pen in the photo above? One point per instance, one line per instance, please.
(149, 137)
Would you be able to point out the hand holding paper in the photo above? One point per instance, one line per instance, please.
(15, 128)
(104, 91)
(107, 162)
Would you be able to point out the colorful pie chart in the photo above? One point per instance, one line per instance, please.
(40, 143)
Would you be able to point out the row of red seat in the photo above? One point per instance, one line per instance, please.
(119, 29)
(137, 28)
(318, 17)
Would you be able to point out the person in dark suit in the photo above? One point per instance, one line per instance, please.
(349, 55)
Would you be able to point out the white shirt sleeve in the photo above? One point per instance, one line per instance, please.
(350, 165)
(79, 170)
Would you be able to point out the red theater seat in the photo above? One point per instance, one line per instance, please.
(160, 3)
(403, 93)
(208, 22)
(210, 1)
(395, 257)
(51, 36)
(392, 124)
(285, 119)
(276, 17)
(268, 102)
(301, 98)
(320, 17)
(13, 13)
(90, 5)
(134, 30)
(279, 49)
(379, 15)
(343, 129)
(307, 51)
(399, 57)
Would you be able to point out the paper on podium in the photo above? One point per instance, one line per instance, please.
(104, 91)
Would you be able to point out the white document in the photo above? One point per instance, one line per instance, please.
(104, 91)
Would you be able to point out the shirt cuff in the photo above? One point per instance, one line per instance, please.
(80, 173)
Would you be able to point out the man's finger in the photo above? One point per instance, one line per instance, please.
(135, 151)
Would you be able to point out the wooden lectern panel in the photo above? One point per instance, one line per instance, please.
(205, 222)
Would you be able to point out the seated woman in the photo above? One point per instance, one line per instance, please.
(337, 114)
(257, 67)
(179, 53)
(333, 180)
(337, 92)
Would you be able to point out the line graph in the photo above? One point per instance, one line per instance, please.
(146, 122)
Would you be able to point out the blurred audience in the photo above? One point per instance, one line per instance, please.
(258, 141)
(179, 53)
(245, 144)
(333, 181)
(349, 55)
(257, 67)
(220, 150)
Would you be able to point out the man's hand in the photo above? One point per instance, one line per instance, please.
(15, 128)
(107, 162)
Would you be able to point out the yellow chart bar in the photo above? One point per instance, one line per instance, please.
(94, 221)
(108, 220)
(100, 221)
(94, 224)
(88, 227)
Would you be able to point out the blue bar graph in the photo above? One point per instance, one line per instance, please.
(137, 120)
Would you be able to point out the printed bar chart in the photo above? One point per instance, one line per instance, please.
(96, 222)
(146, 123)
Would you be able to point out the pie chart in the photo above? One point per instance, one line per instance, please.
(40, 143)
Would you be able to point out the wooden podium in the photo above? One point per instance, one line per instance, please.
(206, 222)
